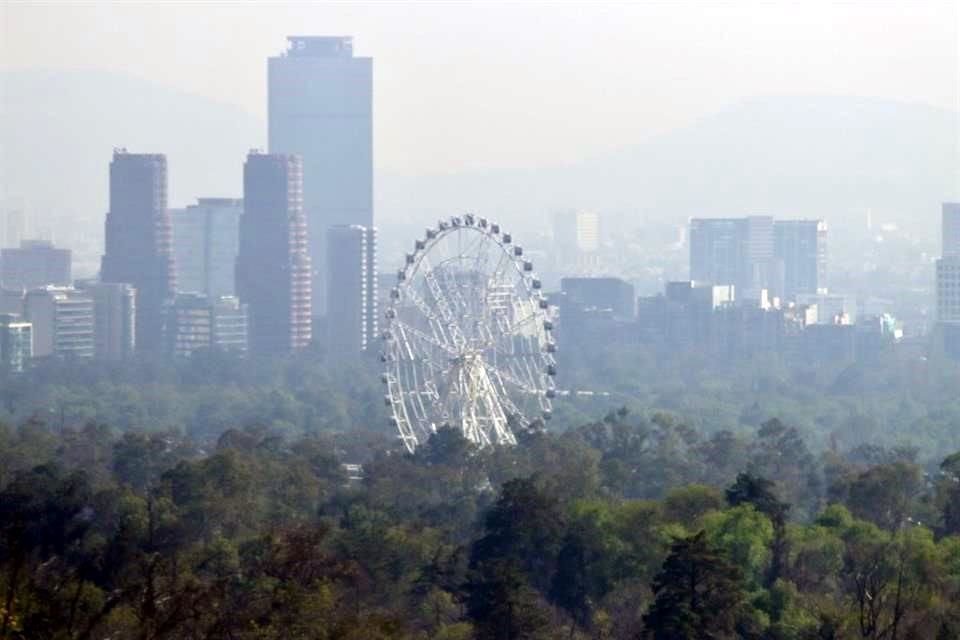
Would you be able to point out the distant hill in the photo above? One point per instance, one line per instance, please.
(58, 131)
(829, 157)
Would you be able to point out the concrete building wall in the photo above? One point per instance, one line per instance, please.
(320, 107)
(273, 265)
(352, 320)
(950, 233)
(206, 238)
(138, 240)
(948, 290)
(16, 343)
(114, 310)
(63, 322)
(35, 263)
(801, 246)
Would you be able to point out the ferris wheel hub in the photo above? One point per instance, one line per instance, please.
(468, 342)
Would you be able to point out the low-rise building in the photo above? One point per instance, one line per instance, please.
(35, 263)
(195, 323)
(115, 318)
(63, 322)
(16, 343)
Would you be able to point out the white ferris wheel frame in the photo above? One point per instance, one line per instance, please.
(480, 381)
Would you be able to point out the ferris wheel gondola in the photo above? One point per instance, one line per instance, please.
(468, 339)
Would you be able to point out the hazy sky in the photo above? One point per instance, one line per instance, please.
(516, 84)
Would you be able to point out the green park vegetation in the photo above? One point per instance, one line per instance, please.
(208, 500)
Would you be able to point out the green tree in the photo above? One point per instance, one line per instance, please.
(503, 606)
(525, 526)
(699, 595)
(950, 483)
(760, 492)
(884, 494)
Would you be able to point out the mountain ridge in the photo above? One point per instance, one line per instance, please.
(808, 156)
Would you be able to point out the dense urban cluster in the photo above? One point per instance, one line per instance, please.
(292, 260)
(200, 440)
(249, 274)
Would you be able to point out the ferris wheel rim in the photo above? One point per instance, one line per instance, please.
(408, 394)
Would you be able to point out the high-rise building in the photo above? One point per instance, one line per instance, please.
(948, 290)
(320, 106)
(950, 232)
(786, 257)
(138, 240)
(11, 301)
(198, 323)
(718, 251)
(189, 236)
(206, 237)
(760, 269)
(948, 281)
(229, 324)
(62, 319)
(36, 263)
(352, 284)
(114, 318)
(801, 247)
(576, 238)
(948, 266)
(16, 343)
(273, 266)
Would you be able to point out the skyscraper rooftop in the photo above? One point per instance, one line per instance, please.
(320, 46)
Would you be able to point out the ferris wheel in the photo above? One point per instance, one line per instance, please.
(468, 341)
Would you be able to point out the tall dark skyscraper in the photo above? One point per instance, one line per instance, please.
(320, 103)
(205, 240)
(950, 230)
(948, 270)
(786, 257)
(138, 240)
(737, 251)
(352, 285)
(273, 266)
(801, 247)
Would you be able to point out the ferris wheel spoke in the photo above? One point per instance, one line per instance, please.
(464, 343)
(435, 322)
(483, 255)
(417, 393)
(500, 268)
(443, 304)
(423, 337)
(507, 376)
(497, 376)
(453, 292)
(515, 327)
(532, 374)
(411, 294)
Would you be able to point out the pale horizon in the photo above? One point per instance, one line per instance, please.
(572, 84)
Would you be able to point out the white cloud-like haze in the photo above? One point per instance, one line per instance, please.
(462, 86)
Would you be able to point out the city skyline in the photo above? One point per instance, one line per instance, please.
(477, 321)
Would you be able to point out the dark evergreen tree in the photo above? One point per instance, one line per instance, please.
(571, 583)
(699, 595)
(524, 526)
(503, 606)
